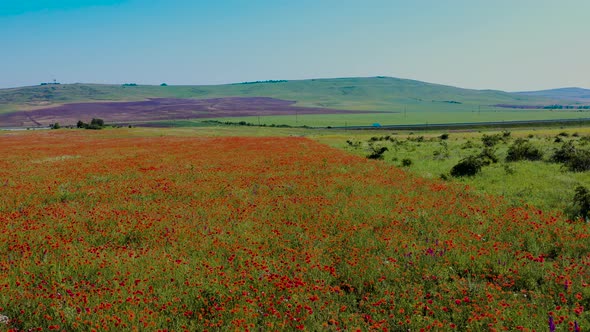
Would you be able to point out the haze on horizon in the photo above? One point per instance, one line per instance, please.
(506, 45)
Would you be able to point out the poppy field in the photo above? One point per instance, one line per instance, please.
(109, 230)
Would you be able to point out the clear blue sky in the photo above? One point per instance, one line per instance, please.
(501, 44)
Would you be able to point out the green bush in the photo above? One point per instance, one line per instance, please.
(488, 155)
(468, 145)
(354, 144)
(522, 149)
(579, 161)
(469, 166)
(491, 140)
(581, 203)
(508, 170)
(406, 162)
(377, 153)
(565, 153)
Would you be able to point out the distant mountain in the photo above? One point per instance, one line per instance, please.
(576, 94)
(367, 93)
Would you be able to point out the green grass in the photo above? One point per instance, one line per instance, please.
(540, 183)
(416, 117)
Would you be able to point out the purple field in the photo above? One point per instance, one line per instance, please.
(158, 109)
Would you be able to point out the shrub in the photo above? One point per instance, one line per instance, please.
(354, 144)
(406, 162)
(523, 150)
(565, 153)
(55, 125)
(488, 155)
(579, 161)
(581, 203)
(377, 152)
(443, 152)
(491, 140)
(469, 166)
(444, 136)
(508, 169)
(468, 145)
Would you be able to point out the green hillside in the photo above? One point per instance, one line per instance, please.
(374, 93)
(579, 94)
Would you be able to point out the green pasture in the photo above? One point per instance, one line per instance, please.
(402, 118)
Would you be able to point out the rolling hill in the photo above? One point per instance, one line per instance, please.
(382, 96)
(576, 94)
(373, 93)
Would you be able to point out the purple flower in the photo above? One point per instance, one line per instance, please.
(576, 326)
(551, 324)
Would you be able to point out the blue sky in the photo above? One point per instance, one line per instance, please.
(502, 44)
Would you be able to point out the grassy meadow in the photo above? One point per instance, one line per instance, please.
(256, 228)
(544, 184)
(409, 117)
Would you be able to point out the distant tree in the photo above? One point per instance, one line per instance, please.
(94, 124)
(55, 125)
(163, 84)
(97, 122)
